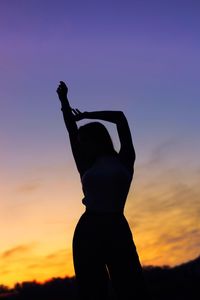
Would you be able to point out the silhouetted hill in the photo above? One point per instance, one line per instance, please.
(181, 282)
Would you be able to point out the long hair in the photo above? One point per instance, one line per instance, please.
(97, 136)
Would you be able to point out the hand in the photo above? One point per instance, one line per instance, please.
(78, 115)
(62, 91)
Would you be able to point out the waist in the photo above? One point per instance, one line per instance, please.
(103, 213)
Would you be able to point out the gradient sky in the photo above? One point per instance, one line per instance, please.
(141, 57)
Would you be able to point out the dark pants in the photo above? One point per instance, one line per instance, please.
(103, 248)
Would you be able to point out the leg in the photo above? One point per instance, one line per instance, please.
(91, 272)
(127, 277)
(124, 267)
(92, 280)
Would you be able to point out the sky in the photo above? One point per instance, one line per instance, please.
(141, 57)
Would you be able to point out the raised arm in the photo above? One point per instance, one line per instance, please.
(71, 126)
(127, 151)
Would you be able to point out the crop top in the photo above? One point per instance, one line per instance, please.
(106, 185)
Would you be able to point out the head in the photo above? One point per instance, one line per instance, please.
(95, 141)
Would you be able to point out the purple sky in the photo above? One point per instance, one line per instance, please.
(139, 56)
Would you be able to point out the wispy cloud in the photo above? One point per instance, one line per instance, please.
(29, 265)
(20, 249)
(162, 151)
(28, 187)
(58, 253)
(164, 213)
(60, 260)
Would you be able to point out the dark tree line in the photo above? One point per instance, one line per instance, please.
(178, 283)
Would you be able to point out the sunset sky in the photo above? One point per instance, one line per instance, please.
(141, 57)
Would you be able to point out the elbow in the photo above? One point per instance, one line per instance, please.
(132, 160)
(121, 115)
(133, 154)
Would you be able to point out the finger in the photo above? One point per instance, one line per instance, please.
(74, 111)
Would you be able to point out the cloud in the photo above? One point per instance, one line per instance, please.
(162, 151)
(20, 263)
(28, 187)
(57, 259)
(164, 213)
(21, 249)
(56, 254)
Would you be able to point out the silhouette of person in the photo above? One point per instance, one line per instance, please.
(103, 246)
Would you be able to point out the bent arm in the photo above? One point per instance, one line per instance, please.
(69, 120)
(127, 151)
(73, 136)
(71, 126)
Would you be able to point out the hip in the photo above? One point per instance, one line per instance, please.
(103, 226)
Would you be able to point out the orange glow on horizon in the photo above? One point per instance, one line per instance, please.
(37, 227)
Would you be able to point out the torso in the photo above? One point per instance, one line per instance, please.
(106, 185)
